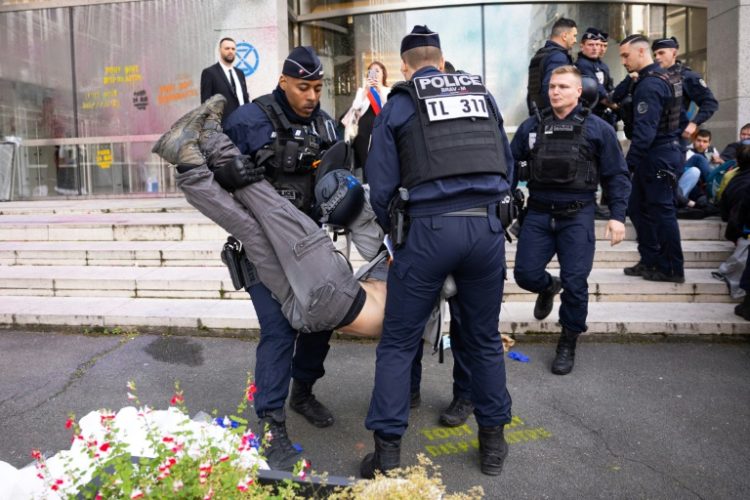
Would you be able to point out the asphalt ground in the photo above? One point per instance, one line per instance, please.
(635, 419)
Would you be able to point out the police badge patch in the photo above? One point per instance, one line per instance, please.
(642, 108)
(702, 82)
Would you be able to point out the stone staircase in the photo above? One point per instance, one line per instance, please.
(154, 263)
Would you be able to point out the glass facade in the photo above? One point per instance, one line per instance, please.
(87, 88)
(493, 40)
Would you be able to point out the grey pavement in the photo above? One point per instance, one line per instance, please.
(639, 417)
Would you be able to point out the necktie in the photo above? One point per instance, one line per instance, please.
(231, 81)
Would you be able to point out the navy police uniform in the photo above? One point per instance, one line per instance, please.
(442, 138)
(551, 56)
(655, 158)
(282, 353)
(559, 184)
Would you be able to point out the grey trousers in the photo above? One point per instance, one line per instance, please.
(294, 258)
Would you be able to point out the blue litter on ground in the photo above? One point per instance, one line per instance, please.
(298, 447)
(518, 357)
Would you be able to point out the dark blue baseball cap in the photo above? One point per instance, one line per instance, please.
(420, 36)
(303, 63)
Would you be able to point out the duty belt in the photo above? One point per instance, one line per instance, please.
(563, 208)
(469, 212)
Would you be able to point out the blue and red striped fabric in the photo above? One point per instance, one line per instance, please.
(374, 98)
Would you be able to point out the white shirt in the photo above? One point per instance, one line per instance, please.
(232, 76)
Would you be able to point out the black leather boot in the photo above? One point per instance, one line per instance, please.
(566, 353)
(303, 402)
(457, 412)
(546, 298)
(387, 456)
(492, 450)
(279, 452)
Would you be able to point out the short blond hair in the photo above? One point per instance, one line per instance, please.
(567, 69)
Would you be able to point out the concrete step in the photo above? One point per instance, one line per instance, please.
(143, 203)
(698, 254)
(222, 316)
(605, 285)
(191, 225)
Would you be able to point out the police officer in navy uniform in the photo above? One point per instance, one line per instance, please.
(439, 142)
(560, 213)
(694, 88)
(289, 131)
(655, 158)
(589, 63)
(554, 53)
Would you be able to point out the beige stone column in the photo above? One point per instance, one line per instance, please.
(729, 67)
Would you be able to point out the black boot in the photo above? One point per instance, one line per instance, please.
(387, 456)
(743, 309)
(303, 402)
(457, 412)
(566, 353)
(546, 298)
(492, 450)
(636, 270)
(279, 452)
(415, 399)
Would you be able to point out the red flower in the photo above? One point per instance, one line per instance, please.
(69, 423)
(36, 454)
(251, 390)
(104, 447)
(177, 399)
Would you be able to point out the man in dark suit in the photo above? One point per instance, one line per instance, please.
(223, 78)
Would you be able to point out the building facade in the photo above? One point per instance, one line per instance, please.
(86, 87)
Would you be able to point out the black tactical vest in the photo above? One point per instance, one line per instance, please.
(295, 148)
(455, 130)
(670, 116)
(680, 69)
(536, 76)
(561, 158)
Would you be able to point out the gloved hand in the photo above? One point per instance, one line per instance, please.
(239, 173)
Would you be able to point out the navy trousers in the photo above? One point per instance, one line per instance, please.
(473, 250)
(573, 240)
(282, 352)
(653, 211)
(461, 372)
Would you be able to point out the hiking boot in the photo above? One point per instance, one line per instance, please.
(457, 412)
(743, 309)
(179, 145)
(215, 108)
(492, 450)
(303, 402)
(654, 275)
(636, 270)
(566, 353)
(415, 400)
(387, 456)
(279, 453)
(546, 298)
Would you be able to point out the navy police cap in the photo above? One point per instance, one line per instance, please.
(420, 36)
(303, 63)
(665, 43)
(591, 34)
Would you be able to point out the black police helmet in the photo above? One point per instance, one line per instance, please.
(336, 157)
(590, 94)
(339, 198)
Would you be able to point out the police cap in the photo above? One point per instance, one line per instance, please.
(420, 36)
(591, 33)
(303, 63)
(665, 43)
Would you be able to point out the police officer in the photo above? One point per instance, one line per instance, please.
(589, 63)
(290, 130)
(439, 142)
(654, 158)
(560, 212)
(555, 53)
(694, 88)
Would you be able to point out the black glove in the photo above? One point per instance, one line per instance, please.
(238, 173)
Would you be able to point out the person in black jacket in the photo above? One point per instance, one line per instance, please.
(225, 79)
